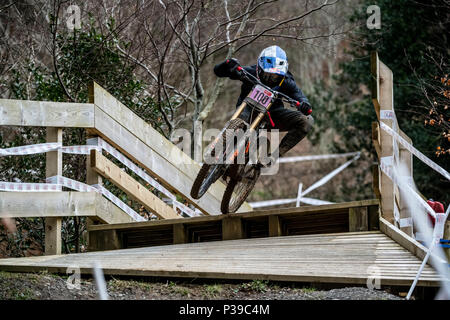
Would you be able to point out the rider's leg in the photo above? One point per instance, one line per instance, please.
(295, 123)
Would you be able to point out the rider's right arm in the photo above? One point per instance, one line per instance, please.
(224, 69)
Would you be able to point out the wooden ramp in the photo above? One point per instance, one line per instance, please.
(333, 218)
(348, 258)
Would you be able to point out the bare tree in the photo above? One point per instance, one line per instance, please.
(183, 36)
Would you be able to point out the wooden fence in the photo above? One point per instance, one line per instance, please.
(394, 208)
(107, 118)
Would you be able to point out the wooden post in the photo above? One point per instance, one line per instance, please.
(382, 98)
(376, 181)
(376, 138)
(53, 167)
(358, 219)
(232, 228)
(179, 233)
(406, 159)
(374, 218)
(104, 240)
(275, 229)
(92, 177)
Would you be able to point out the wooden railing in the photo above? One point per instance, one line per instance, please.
(107, 118)
(393, 208)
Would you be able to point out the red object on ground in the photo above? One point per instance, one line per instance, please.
(437, 207)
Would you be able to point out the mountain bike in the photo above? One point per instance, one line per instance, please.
(230, 159)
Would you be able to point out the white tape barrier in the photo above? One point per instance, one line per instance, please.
(56, 183)
(316, 157)
(299, 194)
(46, 147)
(390, 115)
(386, 167)
(71, 184)
(268, 203)
(438, 233)
(119, 203)
(96, 144)
(32, 149)
(29, 187)
(141, 173)
(316, 185)
(82, 187)
(80, 149)
(414, 151)
(329, 176)
(430, 237)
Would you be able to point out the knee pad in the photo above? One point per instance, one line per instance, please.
(310, 122)
(306, 123)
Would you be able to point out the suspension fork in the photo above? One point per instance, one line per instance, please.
(239, 110)
(251, 129)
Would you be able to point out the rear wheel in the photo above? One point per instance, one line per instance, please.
(214, 165)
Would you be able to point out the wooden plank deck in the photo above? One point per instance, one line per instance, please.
(347, 258)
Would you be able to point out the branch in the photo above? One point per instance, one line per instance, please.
(275, 26)
(6, 7)
(54, 28)
(220, 81)
(152, 75)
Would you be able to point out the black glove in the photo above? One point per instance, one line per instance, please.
(233, 66)
(232, 63)
(304, 108)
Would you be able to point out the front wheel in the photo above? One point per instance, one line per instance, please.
(208, 174)
(239, 188)
(214, 167)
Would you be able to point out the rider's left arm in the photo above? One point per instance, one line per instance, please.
(293, 91)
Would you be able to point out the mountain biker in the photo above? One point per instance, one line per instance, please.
(272, 70)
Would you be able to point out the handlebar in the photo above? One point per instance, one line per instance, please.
(255, 80)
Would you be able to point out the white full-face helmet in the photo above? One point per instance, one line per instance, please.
(272, 66)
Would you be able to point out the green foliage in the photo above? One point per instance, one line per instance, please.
(256, 285)
(213, 290)
(412, 34)
(309, 290)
